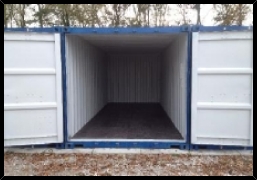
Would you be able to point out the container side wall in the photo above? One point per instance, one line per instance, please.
(86, 82)
(173, 82)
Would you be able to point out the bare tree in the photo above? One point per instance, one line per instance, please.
(65, 13)
(115, 14)
(43, 14)
(94, 18)
(241, 12)
(12, 12)
(5, 15)
(88, 14)
(20, 14)
(183, 11)
(148, 14)
(142, 13)
(197, 7)
(225, 14)
(159, 13)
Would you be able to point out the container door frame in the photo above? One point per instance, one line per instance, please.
(120, 30)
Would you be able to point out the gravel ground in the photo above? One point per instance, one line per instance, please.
(51, 164)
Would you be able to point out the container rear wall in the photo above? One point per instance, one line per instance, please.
(134, 78)
(86, 82)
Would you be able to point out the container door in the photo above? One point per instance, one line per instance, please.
(222, 88)
(33, 111)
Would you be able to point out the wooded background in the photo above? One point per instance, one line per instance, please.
(106, 15)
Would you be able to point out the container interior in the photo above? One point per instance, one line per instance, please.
(127, 87)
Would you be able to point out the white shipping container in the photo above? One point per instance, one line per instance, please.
(133, 87)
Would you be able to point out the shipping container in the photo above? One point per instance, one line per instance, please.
(129, 87)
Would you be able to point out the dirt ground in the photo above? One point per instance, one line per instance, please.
(50, 164)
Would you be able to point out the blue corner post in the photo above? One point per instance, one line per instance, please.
(64, 87)
(189, 70)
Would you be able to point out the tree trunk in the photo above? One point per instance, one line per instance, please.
(240, 18)
(40, 16)
(198, 9)
(41, 21)
(93, 15)
(117, 17)
(117, 23)
(23, 23)
(148, 15)
(198, 18)
(66, 18)
(63, 20)
(5, 15)
(11, 13)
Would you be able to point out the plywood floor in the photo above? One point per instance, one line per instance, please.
(130, 121)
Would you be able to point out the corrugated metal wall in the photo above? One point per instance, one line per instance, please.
(134, 78)
(222, 88)
(33, 109)
(86, 82)
(173, 82)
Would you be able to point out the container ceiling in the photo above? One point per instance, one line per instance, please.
(135, 43)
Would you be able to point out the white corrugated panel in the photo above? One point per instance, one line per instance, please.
(32, 89)
(222, 88)
(134, 78)
(173, 82)
(86, 82)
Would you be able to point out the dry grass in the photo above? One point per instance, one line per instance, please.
(123, 165)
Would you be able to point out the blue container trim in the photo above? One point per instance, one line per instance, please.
(47, 30)
(219, 147)
(127, 30)
(64, 87)
(128, 145)
(132, 30)
(189, 69)
(220, 28)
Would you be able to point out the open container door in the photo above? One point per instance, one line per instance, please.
(33, 110)
(222, 88)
